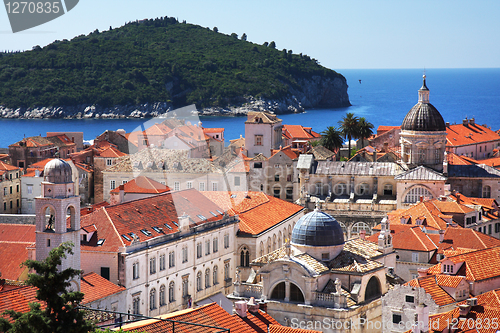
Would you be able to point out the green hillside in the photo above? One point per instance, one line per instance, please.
(151, 61)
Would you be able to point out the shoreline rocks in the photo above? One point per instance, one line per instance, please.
(316, 92)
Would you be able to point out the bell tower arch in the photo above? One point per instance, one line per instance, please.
(58, 215)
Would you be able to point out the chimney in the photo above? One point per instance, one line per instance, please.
(463, 310)
(447, 124)
(263, 306)
(241, 308)
(183, 222)
(362, 234)
(422, 324)
(375, 155)
(465, 122)
(121, 188)
(472, 121)
(458, 198)
(121, 131)
(386, 147)
(252, 306)
(421, 198)
(441, 236)
(423, 271)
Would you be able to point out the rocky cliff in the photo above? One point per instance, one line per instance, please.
(317, 92)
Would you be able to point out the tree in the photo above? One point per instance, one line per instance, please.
(244, 36)
(331, 138)
(61, 313)
(349, 127)
(364, 130)
(272, 45)
(216, 29)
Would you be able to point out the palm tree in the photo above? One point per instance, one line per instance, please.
(331, 138)
(364, 130)
(349, 128)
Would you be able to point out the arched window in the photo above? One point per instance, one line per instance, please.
(279, 239)
(486, 191)
(215, 278)
(152, 299)
(372, 289)
(415, 193)
(261, 248)
(295, 294)
(340, 189)
(171, 292)
(388, 189)
(358, 226)
(163, 298)
(244, 257)
(198, 281)
(207, 278)
(274, 242)
(268, 244)
(318, 189)
(344, 229)
(362, 189)
(421, 156)
(279, 291)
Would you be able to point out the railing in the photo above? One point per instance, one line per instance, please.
(254, 289)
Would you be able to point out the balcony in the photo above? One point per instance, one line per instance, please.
(228, 282)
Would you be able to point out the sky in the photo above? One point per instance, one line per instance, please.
(347, 34)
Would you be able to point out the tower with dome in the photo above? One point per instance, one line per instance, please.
(423, 134)
(58, 215)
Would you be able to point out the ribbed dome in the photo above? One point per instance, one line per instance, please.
(317, 229)
(57, 171)
(423, 117)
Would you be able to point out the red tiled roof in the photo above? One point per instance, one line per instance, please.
(89, 209)
(459, 135)
(299, 132)
(96, 287)
(411, 237)
(257, 211)
(493, 162)
(288, 151)
(14, 242)
(382, 129)
(133, 216)
(17, 298)
(212, 315)
(431, 287)
(142, 184)
(286, 329)
(454, 159)
(479, 264)
(425, 209)
(157, 130)
(109, 152)
(7, 167)
(33, 142)
(472, 322)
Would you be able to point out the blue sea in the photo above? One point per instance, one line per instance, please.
(382, 96)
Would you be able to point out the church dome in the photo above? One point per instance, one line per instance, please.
(57, 171)
(317, 229)
(423, 116)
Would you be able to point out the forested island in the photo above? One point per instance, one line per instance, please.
(147, 67)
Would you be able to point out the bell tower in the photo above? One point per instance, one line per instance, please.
(58, 215)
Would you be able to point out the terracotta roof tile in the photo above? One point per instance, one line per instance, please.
(458, 135)
(286, 329)
(96, 287)
(257, 211)
(142, 184)
(7, 167)
(288, 151)
(213, 130)
(431, 287)
(479, 264)
(470, 323)
(295, 132)
(157, 211)
(17, 298)
(109, 152)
